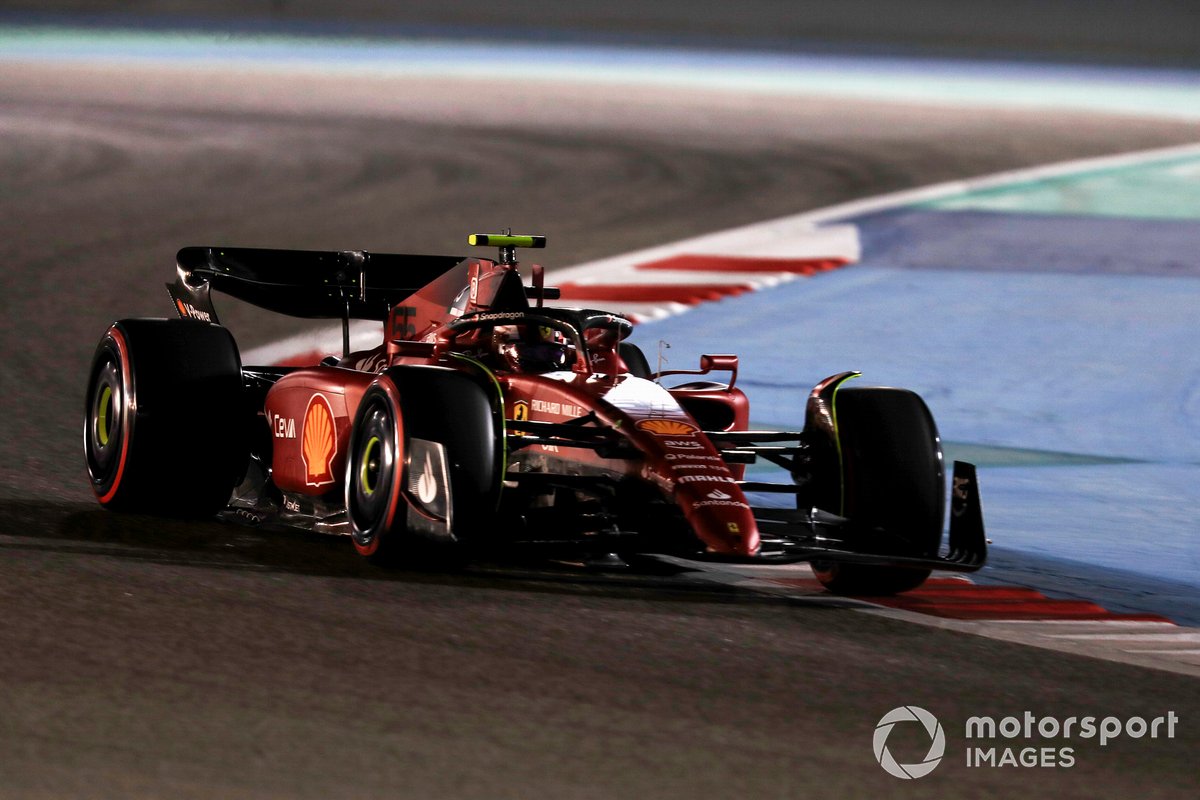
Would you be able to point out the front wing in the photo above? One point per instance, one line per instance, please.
(795, 535)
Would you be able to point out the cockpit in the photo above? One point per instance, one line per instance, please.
(542, 340)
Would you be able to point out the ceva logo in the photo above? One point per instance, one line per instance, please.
(937, 746)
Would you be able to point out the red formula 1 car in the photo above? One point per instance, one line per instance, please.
(486, 420)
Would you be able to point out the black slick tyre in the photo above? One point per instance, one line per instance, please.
(165, 427)
(893, 479)
(407, 411)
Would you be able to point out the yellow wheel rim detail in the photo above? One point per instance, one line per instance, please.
(102, 420)
(364, 476)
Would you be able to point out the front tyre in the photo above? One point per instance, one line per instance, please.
(423, 474)
(893, 480)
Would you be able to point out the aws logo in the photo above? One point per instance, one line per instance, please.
(667, 427)
(318, 442)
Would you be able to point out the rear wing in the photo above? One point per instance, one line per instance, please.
(347, 284)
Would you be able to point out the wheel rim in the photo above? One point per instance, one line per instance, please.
(105, 409)
(106, 421)
(368, 473)
(373, 472)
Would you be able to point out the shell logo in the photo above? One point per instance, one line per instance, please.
(318, 442)
(667, 427)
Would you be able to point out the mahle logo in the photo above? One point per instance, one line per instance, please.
(937, 746)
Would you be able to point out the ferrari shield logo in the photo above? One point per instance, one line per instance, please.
(520, 411)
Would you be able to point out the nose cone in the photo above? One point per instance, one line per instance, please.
(720, 517)
(729, 542)
(687, 467)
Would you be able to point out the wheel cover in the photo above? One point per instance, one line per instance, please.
(105, 421)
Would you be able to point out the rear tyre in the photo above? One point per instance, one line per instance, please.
(433, 405)
(894, 480)
(165, 429)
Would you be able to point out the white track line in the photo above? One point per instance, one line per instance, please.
(805, 235)
(797, 235)
(364, 335)
(1125, 637)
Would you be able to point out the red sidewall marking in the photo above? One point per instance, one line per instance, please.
(126, 379)
(368, 550)
(393, 395)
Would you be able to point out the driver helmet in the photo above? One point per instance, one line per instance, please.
(532, 348)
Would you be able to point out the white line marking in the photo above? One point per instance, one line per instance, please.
(364, 334)
(633, 276)
(1181, 636)
(956, 83)
(1128, 623)
(773, 237)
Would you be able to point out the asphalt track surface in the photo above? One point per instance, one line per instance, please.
(143, 658)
